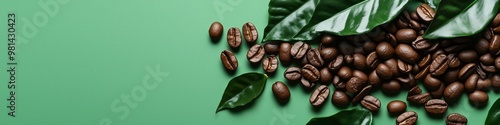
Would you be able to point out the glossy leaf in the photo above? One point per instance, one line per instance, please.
(457, 18)
(493, 117)
(356, 116)
(433, 3)
(242, 89)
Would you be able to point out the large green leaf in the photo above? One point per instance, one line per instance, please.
(457, 18)
(299, 19)
(242, 90)
(493, 117)
(356, 116)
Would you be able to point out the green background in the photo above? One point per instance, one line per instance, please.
(86, 56)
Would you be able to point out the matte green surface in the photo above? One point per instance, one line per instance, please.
(91, 53)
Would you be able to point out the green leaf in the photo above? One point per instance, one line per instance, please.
(356, 116)
(493, 117)
(457, 18)
(433, 3)
(299, 19)
(242, 90)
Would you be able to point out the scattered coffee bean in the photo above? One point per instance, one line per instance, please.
(393, 66)
(436, 106)
(439, 65)
(383, 71)
(329, 53)
(310, 73)
(365, 91)
(359, 61)
(284, 54)
(391, 87)
(419, 99)
(426, 13)
(314, 57)
(234, 37)
(281, 92)
(438, 93)
(299, 49)
(325, 76)
(495, 45)
(384, 50)
(329, 39)
(468, 56)
(453, 91)
(396, 107)
(406, 35)
(272, 47)
(407, 118)
(374, 79)
(336, 63)
(431, 82)
(229, 60)
(495, 81)
(339, 98)
(255, 53)
(471, 83)
(456, 119)
(404, 67)
(371, 103)
(293, 73)
(354, 85)
(319, 95)
(270, 64)
(338, 83)
(215, 31)
(466, 71)
(372, 60)
(478, 98)
(306, 84)
(483, 84)
(250, 32)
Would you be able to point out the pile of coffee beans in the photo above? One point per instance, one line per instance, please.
(392, 57)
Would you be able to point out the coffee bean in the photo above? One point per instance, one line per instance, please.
(328, 39)
(229, 60)
(348, 59)
(421, 75)
(293, 73)
(391, 87)
(272, 47)
(365, 91)
(407, 118)
(215, 31)
(354, 85)
(299, 49)
(426, 13)
(406, 35)
(361, 75)
(284, 54)
(234, 37)
(374, 79)
(467, 70)
(415, 90)
(419, 99)
(391, 38)
(425, 61)
(439, 65)
(482, 46)
(406, 53)
(438, 93)
(468, 56)
(372, 60)
(496, 21)
(471, 83)
(393, 66)
(384, 71)
(495, 81)
(319, 95)
(480, 72)
(495, 45)
(407, 81)
(306, 84)
(431, 82)
(436, 106)
(310, 73)
(304, 60)
(345, 73)
(497, 62)
(456, 119)
(396, 107)
(496, 30)
(339, 98)
(384, 50)
(270, 64)
(390, 28)
(404, 67)
(421, 44)
(483, 84)
(478, 98)
(336, 63)
(371, 103)
(453, 91)
(338, 83)
(450, 76)
(255, 53)
(281, 92)
(401, 23)
(346, 48)
(487, 59)
(314, 57)
(325, 75)
(359, 61)
(329, 53)
(369, 46)
(250, 32)
(453, 61)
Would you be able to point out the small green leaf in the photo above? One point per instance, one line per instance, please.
(242, 90)
(356, 116)
(493, 117)
(457, 18)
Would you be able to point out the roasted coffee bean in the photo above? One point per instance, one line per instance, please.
(495, 81)
(406, 53)
(234, 37)
(299, 49)
(293, 73)
(438, 93)
(482, 46)
(407, 118)
(329, 53)
(421, 75)
(359, 61)
(310, 73)
(407, 81)
(488, 33)
(336, 63)
(255, 53)
(390, 28)
(421, 44)
(431, 82)
(415, 90)
(419, 99)
(215, 30)
(369, 46)
(401, 23)
(450, 76)
(354, 85)
(328, 39)
(436, 106)
(384, 50)
(404, 67)
(306, 84)
(495, 45)
(437, 53)
(348, 59)
(391, 87)
(272, 47)
(496, 21)
(414, 25)
(339, 98)
(467, 70)
(480, 72)
(384, 71)
(250, 32)
(406, 35)
(468, 56)
(393, 66)
(414, 16)
(345, 73)
(314, 57)
(483, 84)
(346, 48)
(372, 60)
(426, 13)
(425, 61)
(497, 62)
(319, 96)
(270, 64)
(361, 75)
(453, 61)
(304, 60)
(487, 59)
(453, 91)
(338, 82)
(374, 79)
(439, 65)
(391, 38)
(229, 60)
(486, 68)
(496, 30)
(478, 98)
(281, 92)
(471, 83)
(284, 54)
(325, 75)
(371, 103)
(396, 107)
(365, 91)
(456, 119)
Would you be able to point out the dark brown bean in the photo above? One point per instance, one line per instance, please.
(336, 63)
(419, 99)
(284, 54)
(338, 82)
(365, 91)
(495, 81)
(329, 53)
(293, 73)
(215, 30)
(393, 66)
(372, 60)
(371, 103)
(391, 87)
(421, 44)
(406, 35)
(374, 79)
(425, 61)
(483, 84)
(436, 106)
(250, 32)
(438, 93)
(471, 83)
(270, 64)
(359, 61)
(431, 82)
(456, 119)
(384, 71)
(478, 98)
(407, 118)
(453, 91)
(497, 62)
(339, 98)
(354, 85)
(450, 76)
(468, 56)
(325, 76)
(487, 59)
(345, 73)
(495, 45)
(384, 50)
(439, 65)
(306, 83)
(482, 46)
(407, 81)
(229, 60)
(272, 47)
(425, 12)
(314, 57)
(467, 70)
(396, 107)
(299, 49)
(255, 53)
(421, 75)
(281, 92)
(404, 67)
(319, 96)
(329, 39)
(310, 73)
(234, 37)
